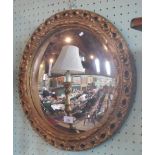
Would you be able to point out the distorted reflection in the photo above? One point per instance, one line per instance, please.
(92, 92)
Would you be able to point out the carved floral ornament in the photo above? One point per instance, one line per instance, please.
(125, 79)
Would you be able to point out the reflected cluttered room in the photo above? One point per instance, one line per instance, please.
(76, 56)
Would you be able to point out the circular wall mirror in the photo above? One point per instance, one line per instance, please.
(77, 80)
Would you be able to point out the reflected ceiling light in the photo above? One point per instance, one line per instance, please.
(105, 47)
(82, 58)
(97, 64)
(41, 66)
(51, 60)
(68, 39)
(81, 34)
(107, 66)
(91, 57)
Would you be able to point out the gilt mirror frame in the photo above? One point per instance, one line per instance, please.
(125, 81)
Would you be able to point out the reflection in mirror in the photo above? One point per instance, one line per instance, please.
(92, 91)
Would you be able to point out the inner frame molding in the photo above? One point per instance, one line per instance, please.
(125, 80)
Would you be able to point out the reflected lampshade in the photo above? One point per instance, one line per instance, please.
(68, 60)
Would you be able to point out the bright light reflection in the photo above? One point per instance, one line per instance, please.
(91, 57)
(107, 66)
(105, 47)
(81, 34)
(97, 64)
(41, 66)
(51, 60)
(68, 39)
(82, 58)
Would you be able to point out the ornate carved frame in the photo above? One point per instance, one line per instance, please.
(126, 80)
